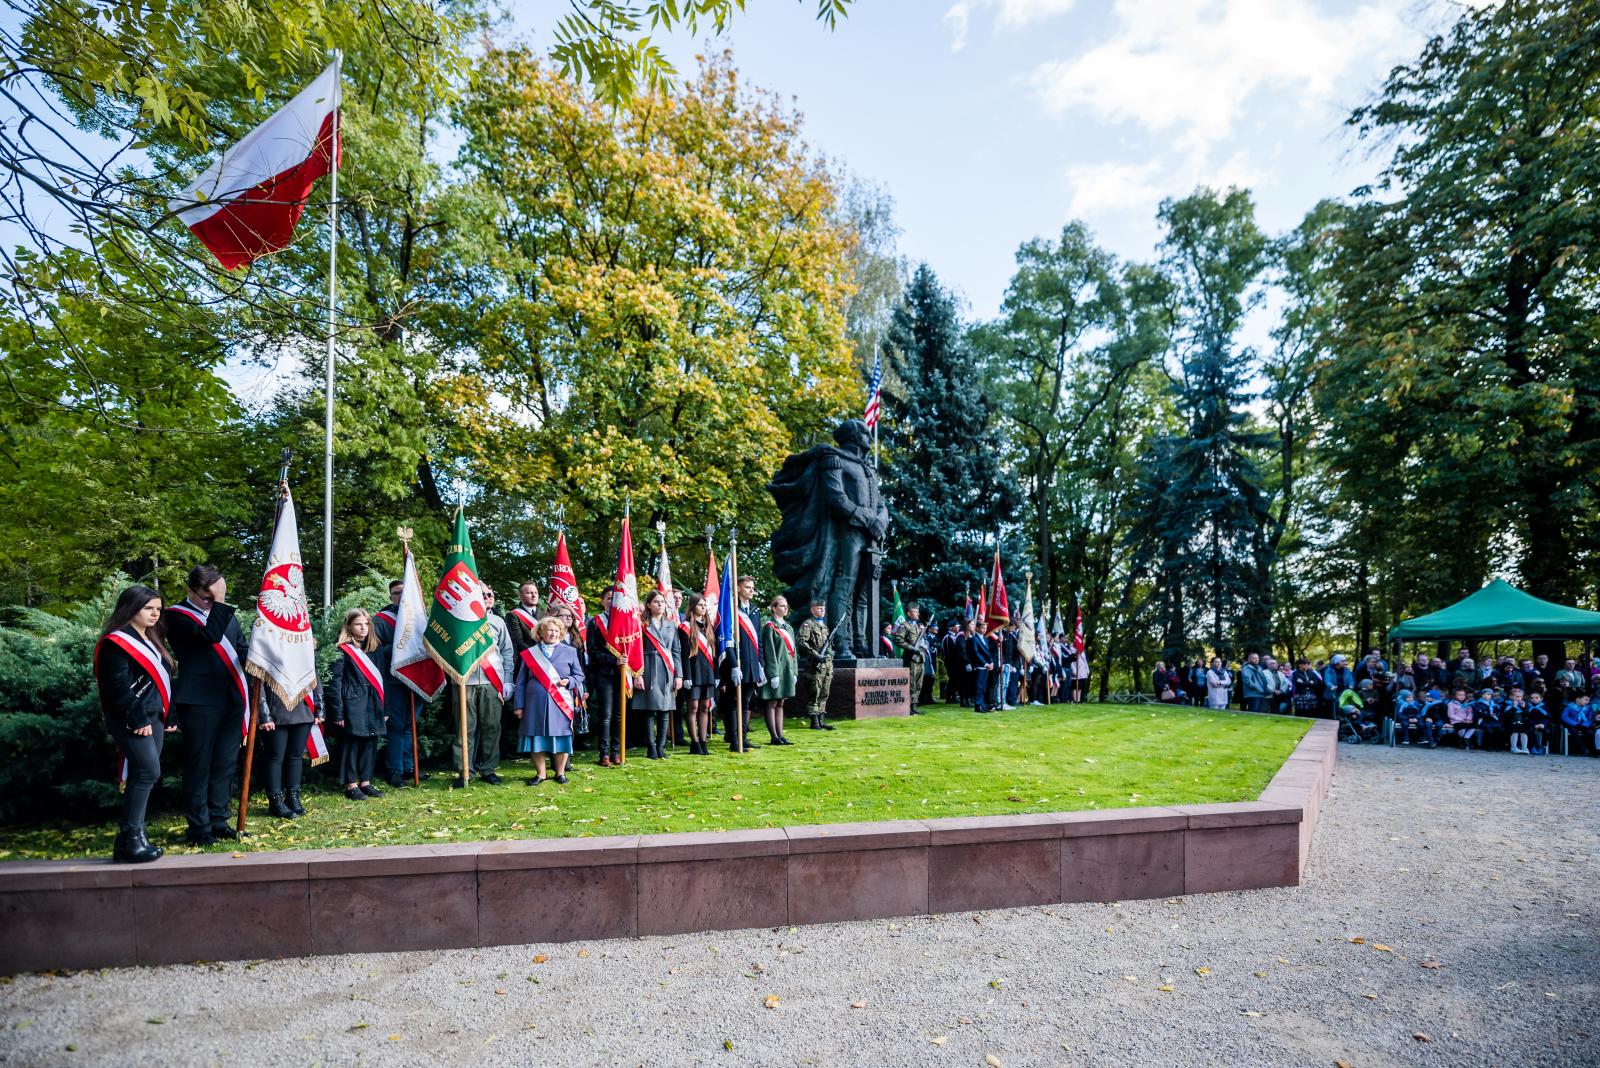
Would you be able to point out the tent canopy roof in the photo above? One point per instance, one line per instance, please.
(1500, 610)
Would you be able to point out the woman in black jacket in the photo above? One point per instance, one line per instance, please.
(286, 731)
(355, 702)
(133, 668)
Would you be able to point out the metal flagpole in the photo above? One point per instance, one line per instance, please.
(327, 419)
(738, 665)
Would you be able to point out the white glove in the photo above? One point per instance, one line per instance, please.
(738, 677)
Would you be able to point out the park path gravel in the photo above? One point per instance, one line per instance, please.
(1484, 863)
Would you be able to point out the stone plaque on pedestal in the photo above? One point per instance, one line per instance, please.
(870, 689)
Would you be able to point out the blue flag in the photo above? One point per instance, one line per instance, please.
(726, 607)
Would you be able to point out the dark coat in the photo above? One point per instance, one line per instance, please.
(129, 698)
(203, 680)
(350, 696)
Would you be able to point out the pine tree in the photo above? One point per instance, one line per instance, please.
(942, 478)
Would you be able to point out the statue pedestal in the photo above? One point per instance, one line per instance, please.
(870, 689)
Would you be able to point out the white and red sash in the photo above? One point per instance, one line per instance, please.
(605, 629)
(705, 648)
(788, 642)
(364, 665)
(227, 654)
(748, 627)
(661, 651)
(146, 657)
(546, 675)
(492, 673)
(316, 744)
(525, 617)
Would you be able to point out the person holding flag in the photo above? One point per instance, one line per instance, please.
(697, 652)
(471, 645)
(412, 672)
(544, 700)
(133, 670)
(656, 685)
(209, 700)
(602, 676)
(384, 619)
(623, 636)
(738, 630)
(1080, 661)
(908, 639)
(355, 696)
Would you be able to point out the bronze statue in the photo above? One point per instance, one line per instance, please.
(830, 543)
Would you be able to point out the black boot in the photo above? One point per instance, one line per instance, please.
(131, 848)
(154, 851)
(277, 809)
(825, 724)
(294, 802)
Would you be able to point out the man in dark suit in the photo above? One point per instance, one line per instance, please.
(739, 690)
(209, 699)
(980, 664)
(600, 677)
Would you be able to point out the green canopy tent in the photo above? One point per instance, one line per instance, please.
(1500, 610)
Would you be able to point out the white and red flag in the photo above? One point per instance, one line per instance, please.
(247, 203)
(563, 585)
(283, 651)
(713, 590)
(410, 662)
(1078, 642)
(623, 626)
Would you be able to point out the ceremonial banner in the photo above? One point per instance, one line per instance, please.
(459, 635)
(1026, 638)
(1077, 633)
(725, 607)
(999, 613)
(411, 663)
(563, 586)
(283, 652)
(622, 625)
(247, 203)
(713, 591)
(664, 574)
(898, 613)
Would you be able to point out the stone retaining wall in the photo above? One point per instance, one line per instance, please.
(214, 906)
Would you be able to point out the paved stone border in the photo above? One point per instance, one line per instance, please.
(214, 906)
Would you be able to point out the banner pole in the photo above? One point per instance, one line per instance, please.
(738, 663)
(416, 765)
(327, 417)
(466, 755)
(622, 701)
(253, 701)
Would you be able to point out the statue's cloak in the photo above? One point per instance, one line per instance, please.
(805, 545)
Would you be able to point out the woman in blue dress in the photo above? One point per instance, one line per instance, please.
(549, 684)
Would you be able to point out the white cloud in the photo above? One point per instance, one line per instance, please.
(1173, 66)
(1014, 15)
(1095, 190)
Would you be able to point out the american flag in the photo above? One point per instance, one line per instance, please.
(874, 408)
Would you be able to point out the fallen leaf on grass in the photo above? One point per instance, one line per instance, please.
(738, 797)
(770, 1001)
(1421, 1036)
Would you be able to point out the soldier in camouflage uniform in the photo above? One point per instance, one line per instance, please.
(816, 665)
(908, 639)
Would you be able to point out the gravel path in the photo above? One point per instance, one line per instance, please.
(1485, 863)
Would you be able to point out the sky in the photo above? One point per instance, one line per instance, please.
(991, 122)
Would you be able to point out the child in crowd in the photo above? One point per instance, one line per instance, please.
(1515, 715)
(1486, 719)
(1578, 718)
(1435, 715)
(1408, 719)
(1538, 723)
(1459, 714)
(1355, 714)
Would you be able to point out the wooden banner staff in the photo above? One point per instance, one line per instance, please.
(738, 686)
(622, 664)
(416, 765)
(461, 683)
(254, 703)
(661, 530)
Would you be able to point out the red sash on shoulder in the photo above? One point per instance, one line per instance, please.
(367, 668)
(146, 657)
(227, 654)
(788, 642)
(526, 618)
(546, 675)
(661, 651)
(492, 673)
(748, 627)
(388, 616)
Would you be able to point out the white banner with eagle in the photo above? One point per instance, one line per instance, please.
(283, 653)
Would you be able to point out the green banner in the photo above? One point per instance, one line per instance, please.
(459, 635)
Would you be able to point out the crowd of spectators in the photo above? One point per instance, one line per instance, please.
(1523, 706)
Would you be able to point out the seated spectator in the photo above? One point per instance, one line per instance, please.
(1410, 725)
(1353, 713)
(1538, 723)
(1486, 719)
(1578, 719)
(1465, 676)
(1421, 672)
(1569, 682)
(1435, 717)
(1459, 713)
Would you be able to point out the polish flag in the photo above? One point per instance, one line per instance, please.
(623, 623)
(247, 203)
(999, 607)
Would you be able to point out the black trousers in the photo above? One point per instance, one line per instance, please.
(658, 726)
(144, 771)
(357, 757)
(210, 752)
(286, 745)
(736, 712)
(604, 716)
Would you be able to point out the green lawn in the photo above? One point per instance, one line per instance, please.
(950, 762)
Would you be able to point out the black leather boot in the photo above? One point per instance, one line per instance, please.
(132, 848)
(151, 852)
(294, 802)
(277, 808)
